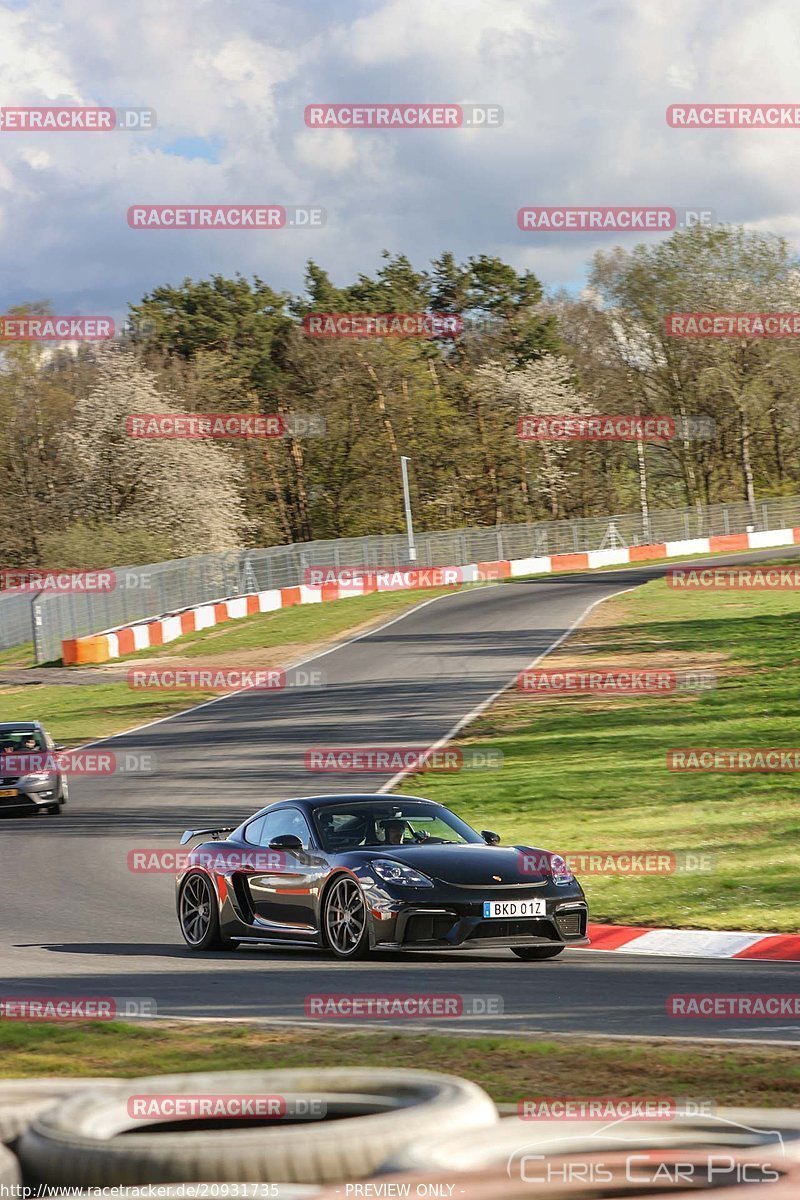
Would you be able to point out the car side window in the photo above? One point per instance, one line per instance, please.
(252, 831)
(279, 823)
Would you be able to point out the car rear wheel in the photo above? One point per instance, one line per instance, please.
(345, 919)
(537, 953)
(199, 915)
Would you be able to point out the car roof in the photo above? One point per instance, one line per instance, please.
(19, 726)
(310, 802)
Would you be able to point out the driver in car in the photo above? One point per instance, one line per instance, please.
(393, 831)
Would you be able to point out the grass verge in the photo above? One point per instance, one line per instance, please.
(508, 1068)
(588, 773)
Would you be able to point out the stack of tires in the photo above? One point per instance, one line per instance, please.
(86, 1137)
(427, 1134)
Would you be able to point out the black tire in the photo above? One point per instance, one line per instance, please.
(537, 953)
(198, 914)
(63, 795)
(345, 919)
(90, 1140)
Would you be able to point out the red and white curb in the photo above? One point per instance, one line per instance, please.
(144, 635)
(695, 943)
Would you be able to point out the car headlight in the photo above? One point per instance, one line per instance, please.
(395, 872)
(559, 869)
(37, 777)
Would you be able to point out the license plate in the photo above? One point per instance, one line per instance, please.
(515, 908)
(8, 792)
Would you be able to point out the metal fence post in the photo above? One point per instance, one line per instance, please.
(36, 629)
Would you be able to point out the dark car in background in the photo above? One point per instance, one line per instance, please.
(354, 873)
(25, 792)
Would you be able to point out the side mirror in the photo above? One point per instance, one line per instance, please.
(491, 839)
(286, 841)
(58, 746)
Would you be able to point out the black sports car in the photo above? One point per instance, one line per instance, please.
(355, 873)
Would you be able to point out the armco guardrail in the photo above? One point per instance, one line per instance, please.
(160, 588)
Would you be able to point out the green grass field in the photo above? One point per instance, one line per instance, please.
(589, 773)
(509, 1068)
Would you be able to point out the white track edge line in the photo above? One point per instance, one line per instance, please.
(484, 704)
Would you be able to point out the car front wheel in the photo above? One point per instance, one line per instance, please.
(537, 953)
(345, 919)
(199, 915)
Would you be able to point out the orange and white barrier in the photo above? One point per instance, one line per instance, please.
(115, 643)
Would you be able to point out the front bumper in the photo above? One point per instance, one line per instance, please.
(456, 923)
(28, 797)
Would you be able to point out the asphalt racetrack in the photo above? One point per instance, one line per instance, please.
(74, 921)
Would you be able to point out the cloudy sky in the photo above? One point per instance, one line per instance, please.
(584, 85)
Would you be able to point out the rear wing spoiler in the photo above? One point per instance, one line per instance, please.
(193, 833)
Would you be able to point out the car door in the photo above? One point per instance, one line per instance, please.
(284, 896)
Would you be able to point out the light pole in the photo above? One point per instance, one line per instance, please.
(412, 550)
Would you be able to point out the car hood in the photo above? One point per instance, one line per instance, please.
(471, 864)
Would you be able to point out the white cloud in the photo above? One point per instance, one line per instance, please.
(584, 86)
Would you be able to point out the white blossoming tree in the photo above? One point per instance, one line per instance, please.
(545, 387)
(186, 492)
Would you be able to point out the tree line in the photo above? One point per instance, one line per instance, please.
(76, 490)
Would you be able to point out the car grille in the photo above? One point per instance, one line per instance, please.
(524, 927)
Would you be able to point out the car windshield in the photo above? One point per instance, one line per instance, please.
(20, 741)
(389, 823)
